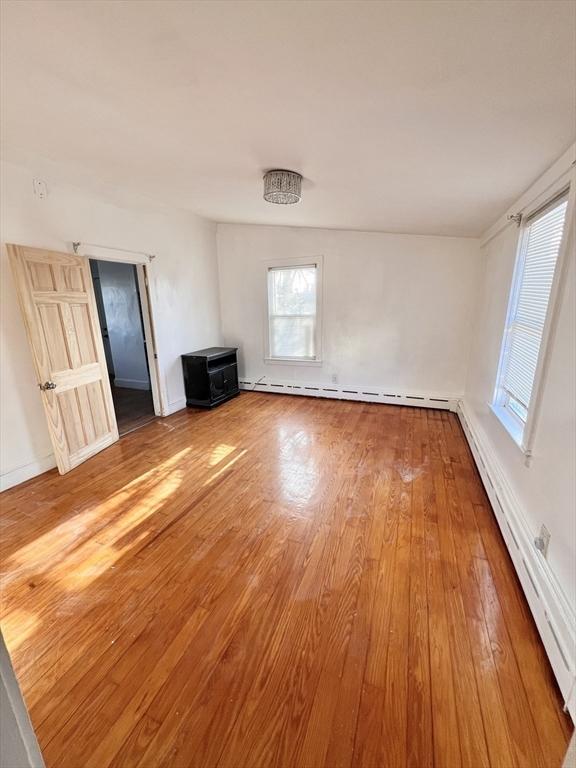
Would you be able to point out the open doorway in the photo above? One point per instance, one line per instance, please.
(117, 291)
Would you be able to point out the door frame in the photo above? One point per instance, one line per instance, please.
(149, 335)
(143, 275)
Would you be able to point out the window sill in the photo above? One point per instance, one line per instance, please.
(291, 361)
(511, 425)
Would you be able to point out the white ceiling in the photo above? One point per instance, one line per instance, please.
(423, 117)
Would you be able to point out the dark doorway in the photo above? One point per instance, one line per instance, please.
(120, 314)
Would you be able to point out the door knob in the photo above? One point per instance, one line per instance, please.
(47, 385)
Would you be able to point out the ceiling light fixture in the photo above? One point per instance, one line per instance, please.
(282, 187)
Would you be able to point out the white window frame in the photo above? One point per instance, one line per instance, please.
(290, 263)
(523, 433)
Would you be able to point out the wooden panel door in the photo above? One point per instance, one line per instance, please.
(57, 300)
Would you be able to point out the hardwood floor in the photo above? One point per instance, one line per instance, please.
(133, 408)
(282, 581)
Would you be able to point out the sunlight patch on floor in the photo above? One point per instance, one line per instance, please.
(110, 550)
(219, 453)
(24, 624)
(225, 467)
(62, 535)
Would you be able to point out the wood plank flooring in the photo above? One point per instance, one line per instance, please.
(133, 408)
(283, 581)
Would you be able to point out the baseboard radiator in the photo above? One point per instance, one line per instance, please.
(552, 613)
(360, 394)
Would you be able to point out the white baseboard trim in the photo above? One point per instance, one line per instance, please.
(26, 472)
(175, 405)
(132, 383)
(552, 612)
(361, 394)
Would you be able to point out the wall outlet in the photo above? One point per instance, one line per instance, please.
(40, 188)
(334, 378)
(542, 541)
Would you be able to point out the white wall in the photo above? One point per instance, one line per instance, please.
(18, 744)
(546, 488)
(184, 293)
(122, 309)
(397, 308)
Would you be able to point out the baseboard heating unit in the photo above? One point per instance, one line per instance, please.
(348, 392)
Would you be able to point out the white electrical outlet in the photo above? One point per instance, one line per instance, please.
(542, 541)
(334, 378)
(40, 188)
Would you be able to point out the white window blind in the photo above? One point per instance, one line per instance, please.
(534, 273)
(292, 309)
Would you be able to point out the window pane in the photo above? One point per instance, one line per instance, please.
(292, 337)
(528, 309)
(293, 291)
(524, 346)
(518, 409)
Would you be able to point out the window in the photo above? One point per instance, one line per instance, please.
(293, 324)
(538, 252)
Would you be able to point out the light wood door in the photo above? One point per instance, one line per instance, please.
(57, 301)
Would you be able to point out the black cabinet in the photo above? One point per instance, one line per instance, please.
(210, 376)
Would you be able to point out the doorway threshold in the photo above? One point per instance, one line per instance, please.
(133, 426)
(133, 407)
